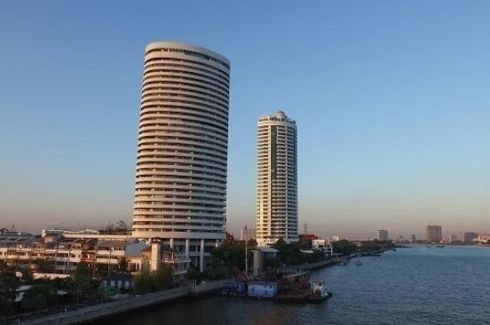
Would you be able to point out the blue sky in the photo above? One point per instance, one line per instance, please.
(391, 100)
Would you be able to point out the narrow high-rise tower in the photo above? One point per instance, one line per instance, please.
(434, 233)
(277, 186)
(180, 192)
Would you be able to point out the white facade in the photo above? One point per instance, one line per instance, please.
(180, 194)
(277, 200)
(322, 245)
(67, 255)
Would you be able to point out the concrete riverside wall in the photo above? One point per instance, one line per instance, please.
(317, 265)
(207, 287)
(94, 312)
(312, 266)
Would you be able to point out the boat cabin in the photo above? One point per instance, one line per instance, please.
(262, 289)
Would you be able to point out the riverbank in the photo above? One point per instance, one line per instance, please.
(121, 306)
(418, 285)
(327, 263)
(112, 308)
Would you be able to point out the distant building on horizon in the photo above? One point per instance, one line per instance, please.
(482, 239)
(434, 233)
(181, 168)
(414, 238)
(470, 236)
(383, 235)
(277, 186)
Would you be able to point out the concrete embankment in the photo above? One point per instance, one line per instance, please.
(334, 261)
(319, 265)
(112, 308)
(313, 266)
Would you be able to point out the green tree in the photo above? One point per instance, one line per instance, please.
(8, 285)
(280, 244)
(35, 303)
(83, 285)
(123, 265)
(272, 263)
(231, 253)
(192, 272)
(218, 271)
(289, 254)
(344, 247)
(4, 267)
(148, 281)
(305, 244)
(143, 282)
(31, 300)
(6, 308)
(45, 266)
(163, 276)
(252, 243)
(27, 275)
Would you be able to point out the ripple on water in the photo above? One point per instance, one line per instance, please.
(416, 285)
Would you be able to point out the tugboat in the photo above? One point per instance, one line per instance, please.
(294, 288)
(319, 292)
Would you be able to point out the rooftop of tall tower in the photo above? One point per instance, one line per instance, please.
(187, 47)
(279, 116)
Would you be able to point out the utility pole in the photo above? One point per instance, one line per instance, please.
(246, 250)
(67, 261)
(109, 263)
(96, 251)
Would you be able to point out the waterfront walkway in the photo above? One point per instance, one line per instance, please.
(313, 266)
(111, 308)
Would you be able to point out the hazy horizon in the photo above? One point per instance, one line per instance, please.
(390, 98)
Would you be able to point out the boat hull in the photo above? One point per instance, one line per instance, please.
(293, 298)
(317, 298)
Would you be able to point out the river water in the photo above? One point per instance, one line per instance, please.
(417, 285)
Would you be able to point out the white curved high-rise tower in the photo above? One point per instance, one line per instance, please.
(180, 194)
(277, 186)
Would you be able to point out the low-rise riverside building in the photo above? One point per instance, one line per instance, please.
(322, 245)
(54, 256)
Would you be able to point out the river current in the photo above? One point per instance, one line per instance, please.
(416, 285)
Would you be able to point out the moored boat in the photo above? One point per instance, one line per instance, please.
(299, 296)
(319, 292)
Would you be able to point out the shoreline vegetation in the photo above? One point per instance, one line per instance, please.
(83, 291)
(229, 258)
